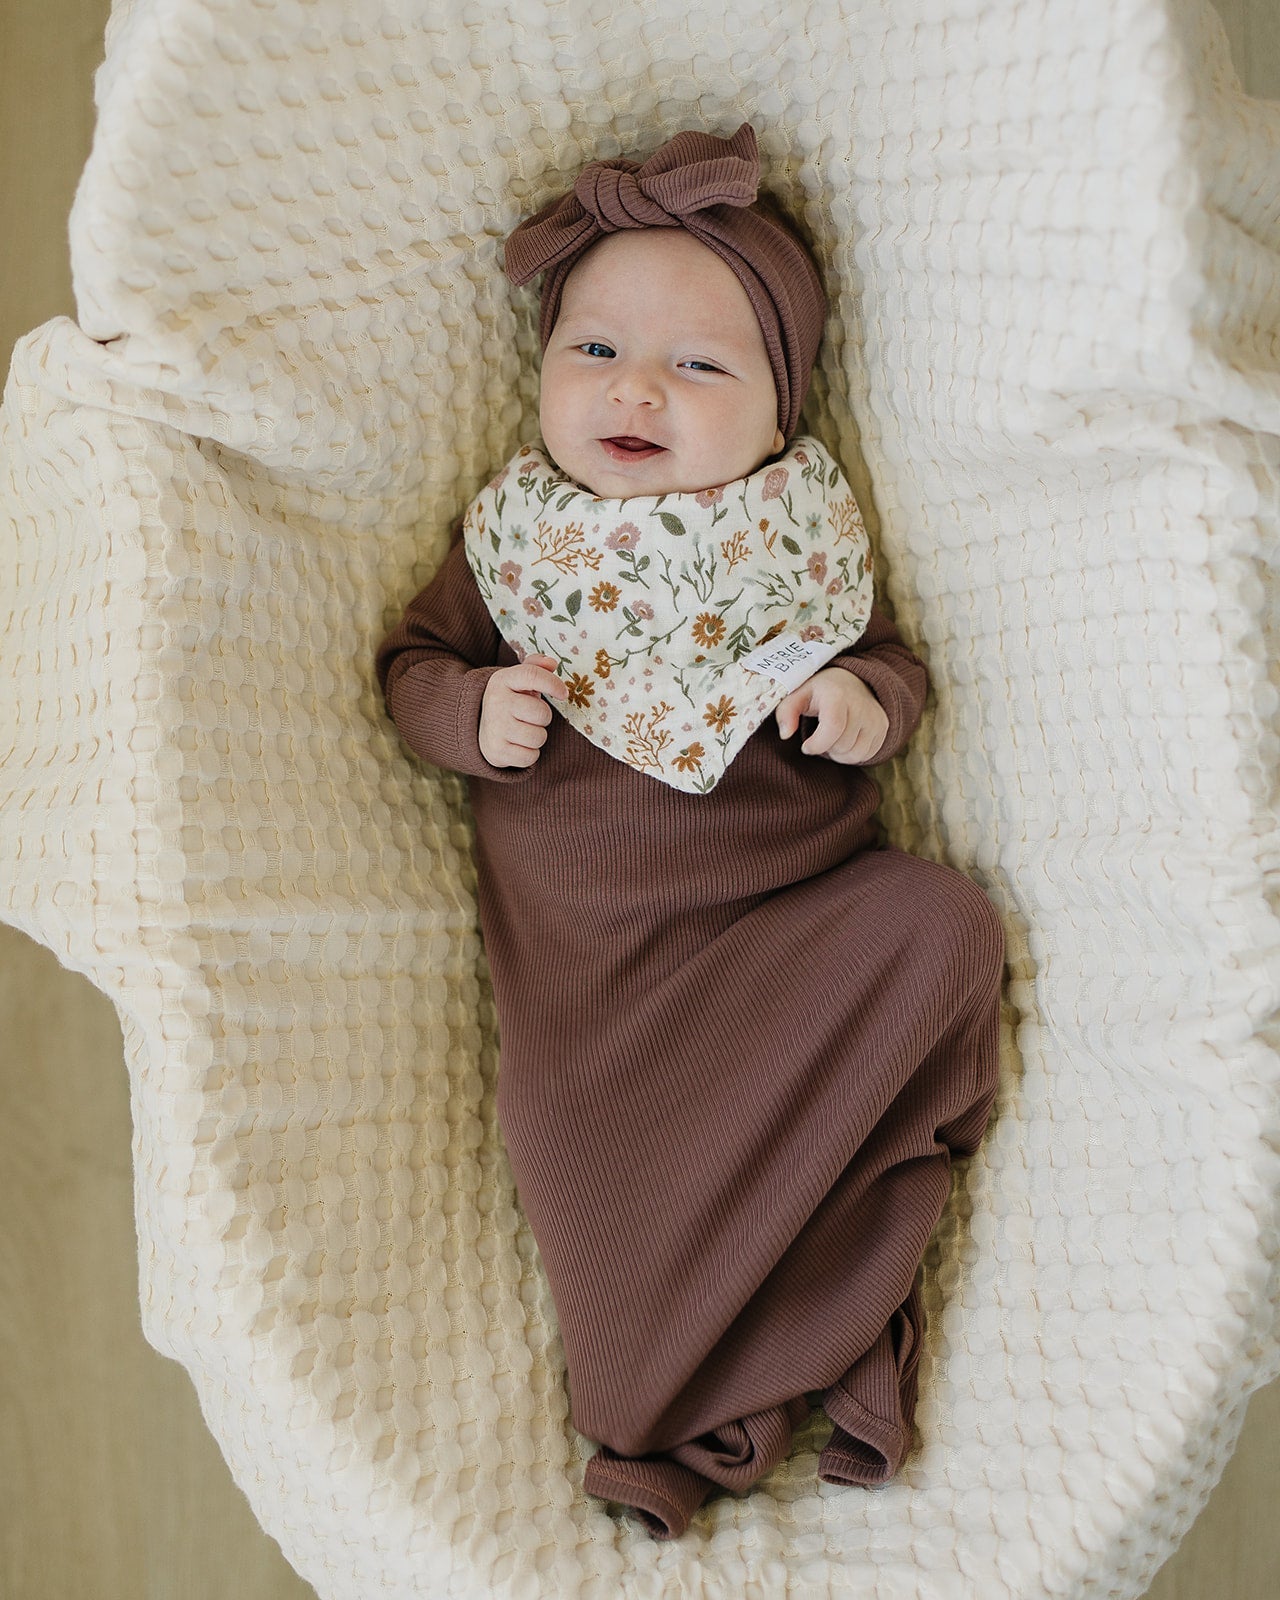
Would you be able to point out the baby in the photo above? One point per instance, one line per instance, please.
(741, 1037)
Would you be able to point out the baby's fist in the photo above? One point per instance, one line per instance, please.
(513, 714)
(852, 723)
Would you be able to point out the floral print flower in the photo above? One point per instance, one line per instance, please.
(709, 497)
(690, 758)
(535, 608)
(626, 536)
(817, 567)
(835, 586)
(604, 666)
(813, 631)
(775, 481)
(720, 715)
(580, 689)
(604, 597)
(643, 610)
(708, 628)
(509, 573)
(845, 520)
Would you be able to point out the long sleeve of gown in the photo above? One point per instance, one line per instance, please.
(894, 674)
(434, 667)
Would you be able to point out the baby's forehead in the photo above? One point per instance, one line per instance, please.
(628, 273)
(651, 249)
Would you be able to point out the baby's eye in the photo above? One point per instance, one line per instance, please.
(702, 366)
(594, 348)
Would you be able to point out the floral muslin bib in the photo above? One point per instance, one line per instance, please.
(677, 621)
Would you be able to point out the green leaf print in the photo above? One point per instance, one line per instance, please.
(789, 544)
(672, 523)
(574, 603)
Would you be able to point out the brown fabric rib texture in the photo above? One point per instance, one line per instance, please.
(741, 1041)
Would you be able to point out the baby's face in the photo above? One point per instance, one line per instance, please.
(656, 376)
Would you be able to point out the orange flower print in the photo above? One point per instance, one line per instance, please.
(720, 716)
(845, 519)
(736, 549)
(709, 629)
(603, 664)
(778, 627)
(647, 741)
(690, 758)
(580, 689)
(509, 573)
(604, 597)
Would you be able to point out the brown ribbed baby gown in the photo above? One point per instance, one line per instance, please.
(740, 1042)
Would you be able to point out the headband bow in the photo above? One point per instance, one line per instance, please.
(707, 186)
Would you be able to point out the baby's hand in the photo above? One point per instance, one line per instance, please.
(852, 723)
(513, 714)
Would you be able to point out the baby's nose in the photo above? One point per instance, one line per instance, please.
(634, 383)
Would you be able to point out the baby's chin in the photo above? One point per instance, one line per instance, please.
(656, 476)
(607, 487)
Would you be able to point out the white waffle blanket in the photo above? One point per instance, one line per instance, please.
(1051, 232)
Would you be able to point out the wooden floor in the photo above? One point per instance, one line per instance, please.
(112, 1487)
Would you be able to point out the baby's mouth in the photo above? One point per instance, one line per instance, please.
(626, 447)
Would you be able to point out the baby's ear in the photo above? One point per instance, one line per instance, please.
(778, 440)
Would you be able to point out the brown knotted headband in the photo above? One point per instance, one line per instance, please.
(707, 186)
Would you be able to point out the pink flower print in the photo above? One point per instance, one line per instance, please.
(626, 536)
(535, 608)
(709, 497)
(509, 573)
(643, 610)
(835, 586)
(818, 566)
(775, 481)
(802, 458)
(813, 631)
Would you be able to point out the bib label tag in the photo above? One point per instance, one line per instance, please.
(787, 661)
